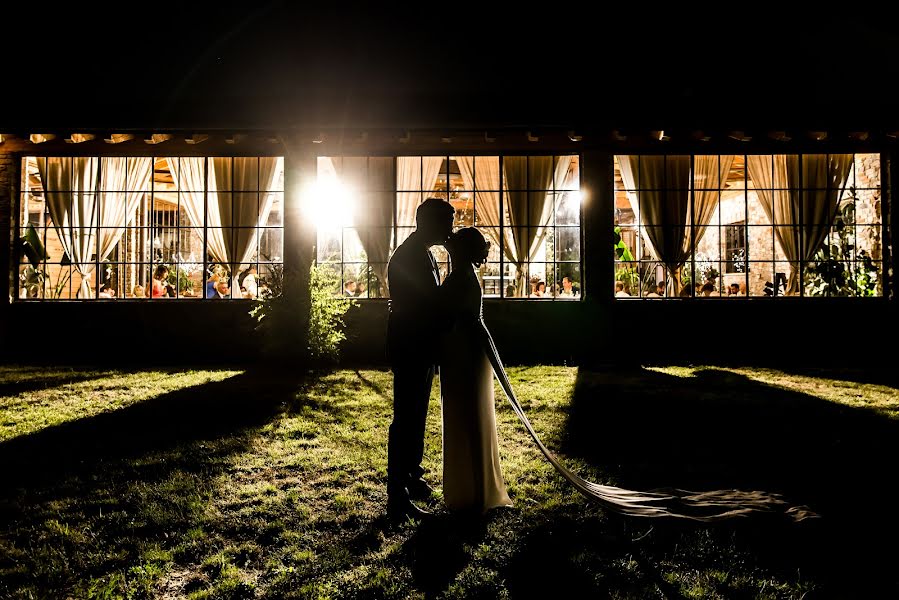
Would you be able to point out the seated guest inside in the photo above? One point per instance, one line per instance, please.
(620, 289)
(106, 291)
(539, 290)
(349, 288)
(160, 277)
(248, 283)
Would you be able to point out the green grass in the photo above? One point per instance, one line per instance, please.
(228, 484)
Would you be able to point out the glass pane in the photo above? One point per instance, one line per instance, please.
(540, 172)
(487, 208)
(247, 281)
(515, 173)
(276, 211)
(270, 279)
(537, 287)
(568, 208)
(408, 173)
(463, 203)
(570, 277)
(492, 281)
(377, 281)
(219, 208)
(219, 174)
(353, 250)
(271, 244)
(189, 278)
(567, 173)
(330, 244)
(406, 204)
(487, 173)
(353, 274)
(568, 243)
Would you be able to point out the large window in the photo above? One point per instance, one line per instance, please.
(527, 206)
(749, 225)
(149, 227)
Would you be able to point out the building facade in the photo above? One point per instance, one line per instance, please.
(606, 245)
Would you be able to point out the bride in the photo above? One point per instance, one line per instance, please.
(472, 480)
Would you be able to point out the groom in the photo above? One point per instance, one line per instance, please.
(412, 332)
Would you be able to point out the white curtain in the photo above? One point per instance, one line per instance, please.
(373, 180)
(709, 177)
(663, 185)
(123, 182)
(413, 173)
(188, 175)
(529, 211)
(801, 197)
(238, 202)
(482, 174)
(70, 187)
(243, 202)
(91, 200)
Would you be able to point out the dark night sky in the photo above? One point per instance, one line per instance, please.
(276, 63)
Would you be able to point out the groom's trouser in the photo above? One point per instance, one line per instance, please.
(406, 442)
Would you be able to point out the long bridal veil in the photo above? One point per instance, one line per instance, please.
(706, 506)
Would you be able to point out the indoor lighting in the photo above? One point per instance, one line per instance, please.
(118, 138)
(77, 138)
(329, 204)
(157, 138)
(39, 138)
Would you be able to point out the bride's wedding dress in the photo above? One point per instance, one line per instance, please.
(472, 479)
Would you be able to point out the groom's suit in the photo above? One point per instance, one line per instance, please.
(412, 337)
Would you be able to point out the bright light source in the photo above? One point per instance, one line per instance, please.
(576, 197)
(329, 204)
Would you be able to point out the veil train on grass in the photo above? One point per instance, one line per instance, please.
(708, 506)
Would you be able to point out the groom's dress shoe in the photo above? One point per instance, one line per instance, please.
(420, 490)
(402, 509)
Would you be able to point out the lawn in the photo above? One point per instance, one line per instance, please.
(181, 483)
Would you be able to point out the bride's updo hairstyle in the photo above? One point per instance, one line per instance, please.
(468, 245)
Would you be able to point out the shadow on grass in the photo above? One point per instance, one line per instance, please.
(133, 478)
(436, 551)
(876, 375)
(721, 430)
(20, 380)
(203, 412)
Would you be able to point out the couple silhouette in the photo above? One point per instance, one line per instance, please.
(432, 324)
(435, 324)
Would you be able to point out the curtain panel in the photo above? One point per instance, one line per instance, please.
(800, 195)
